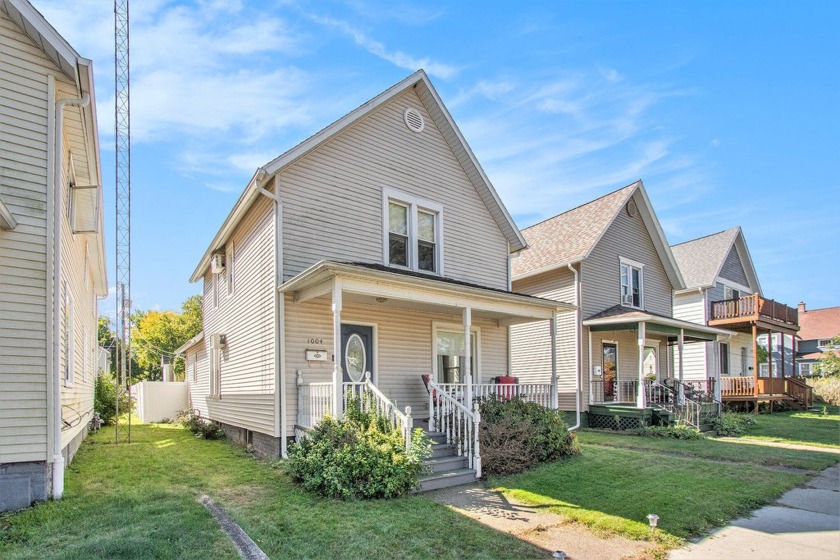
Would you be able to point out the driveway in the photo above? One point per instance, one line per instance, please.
(803, 523)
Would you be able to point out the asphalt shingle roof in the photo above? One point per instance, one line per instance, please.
(700, 259)
(570, 236)
(815, 324)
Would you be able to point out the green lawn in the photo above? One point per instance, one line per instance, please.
(139, 501)
(810, 428)
(615, 489)
(715, 449)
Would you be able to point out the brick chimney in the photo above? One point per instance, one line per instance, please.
(801, 307)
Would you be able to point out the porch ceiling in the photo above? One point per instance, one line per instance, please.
(376, 286)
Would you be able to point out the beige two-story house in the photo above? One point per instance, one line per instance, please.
(52, 260)
(376, 251)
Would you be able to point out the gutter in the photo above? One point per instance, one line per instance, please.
(279, 309)
(58, 458)
(578, 326)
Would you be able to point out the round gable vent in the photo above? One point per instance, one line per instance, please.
(414, 120)
(631, 208)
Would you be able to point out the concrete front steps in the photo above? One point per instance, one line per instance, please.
(446, 466)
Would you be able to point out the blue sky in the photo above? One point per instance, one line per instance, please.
(727, 110)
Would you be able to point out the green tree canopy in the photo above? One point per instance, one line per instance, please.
(156, 334)
(830, 360)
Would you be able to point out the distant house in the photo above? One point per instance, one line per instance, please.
(722, 290)
(52, 254)
(611, 256)
(817, 329)
(377, 247)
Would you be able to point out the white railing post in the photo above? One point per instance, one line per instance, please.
(409, 426)
(431, 411)
(476, 450)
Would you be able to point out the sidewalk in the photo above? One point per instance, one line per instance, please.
(803, 523)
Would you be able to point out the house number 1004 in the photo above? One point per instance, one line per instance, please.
(315, 341)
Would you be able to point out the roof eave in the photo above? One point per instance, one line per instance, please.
(189, 344)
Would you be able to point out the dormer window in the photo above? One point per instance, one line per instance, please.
(412, 233)
(631, 280)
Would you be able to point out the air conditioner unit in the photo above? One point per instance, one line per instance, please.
(217, 263)
(627, 299)
(218, 340)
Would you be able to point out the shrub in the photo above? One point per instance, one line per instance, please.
(732, 424)
(678, 431)
(104, 398)
(826, 389)
(514, 435)
(201, 428)
(359, 457)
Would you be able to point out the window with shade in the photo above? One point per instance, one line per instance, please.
(450, 355)
(631, 280)
(413, 233)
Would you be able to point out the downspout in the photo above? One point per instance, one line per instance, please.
(58, 458)
(279, 308)
(577, 349)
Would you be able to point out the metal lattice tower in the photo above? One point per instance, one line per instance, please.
(122, 135)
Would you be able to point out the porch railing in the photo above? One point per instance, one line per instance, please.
(371, 399)
(314, 403)
(800, 391)
(447, 414)
(737, 386)
(539, 393)
(618, 391)
(752, 307)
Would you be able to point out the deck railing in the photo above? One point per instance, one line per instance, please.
(447, 414)
(737, 386)
(751, 308)
(617, 391)
(800, 391)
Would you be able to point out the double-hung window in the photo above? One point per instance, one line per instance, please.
(631, 283)
(413, 236)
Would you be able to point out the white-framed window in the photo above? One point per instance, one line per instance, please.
(806, 368)
(743, 360)
(215, 371)
(449, 359)
(762, 369)
(730, 292)
(723, 349)
(824, 343)
(229, 268)
(69, 339)
(412, 232)
(632, 283)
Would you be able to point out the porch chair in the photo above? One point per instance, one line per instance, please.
(426, 378)
(505, 393)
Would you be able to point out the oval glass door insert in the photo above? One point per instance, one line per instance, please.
(356, 357)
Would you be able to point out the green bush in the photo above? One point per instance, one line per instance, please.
(826, 389)
(732, 424)
(201, 428)
(104, 398)
(359, 457)
(515, 434)
(678, 431)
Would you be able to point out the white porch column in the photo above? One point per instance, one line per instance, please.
(338, 378)
(681, 344)
(640, 392)
(591, 367)
(468, 381)
(716, 369)
(553, 334)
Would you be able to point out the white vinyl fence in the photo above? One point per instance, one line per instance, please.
(157, 400)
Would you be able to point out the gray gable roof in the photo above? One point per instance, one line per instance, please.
(701, 260)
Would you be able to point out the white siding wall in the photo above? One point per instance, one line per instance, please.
(699, 358)
(332, 198)
(531, 344)
(197, 377)
(626, 237)
(247, 319)
(403, 348)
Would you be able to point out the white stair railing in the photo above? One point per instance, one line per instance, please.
(539, 393)
(371, 399)
(447, 414)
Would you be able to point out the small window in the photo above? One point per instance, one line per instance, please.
(229, 269)
(631, 285)
(731, 293)
(805, 369)
(426, 241)
(724, 358)
(397, 234)
(825, 343)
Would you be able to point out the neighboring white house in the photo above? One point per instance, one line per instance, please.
(610, 255)
(374, 246)
(52, 254)
(722, 290)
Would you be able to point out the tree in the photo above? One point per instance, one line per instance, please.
(157, 334)
(829, 363)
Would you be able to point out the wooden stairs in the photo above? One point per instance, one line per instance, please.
(446, 467)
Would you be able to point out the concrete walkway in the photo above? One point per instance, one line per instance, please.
(537, 525)
(803, 523)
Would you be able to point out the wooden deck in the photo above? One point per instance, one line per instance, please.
(765, 389)
(742, 313)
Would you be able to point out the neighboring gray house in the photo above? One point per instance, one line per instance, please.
(52, 258)
(818, 328)
(377, 246)
(722, 290)
(611, 256)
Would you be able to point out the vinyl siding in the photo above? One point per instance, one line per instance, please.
(733, 269)
(699, 357)
(246, 317)
(600, 274)
(402, 347)
(199, 386)
(531, 342)
(332, 197)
